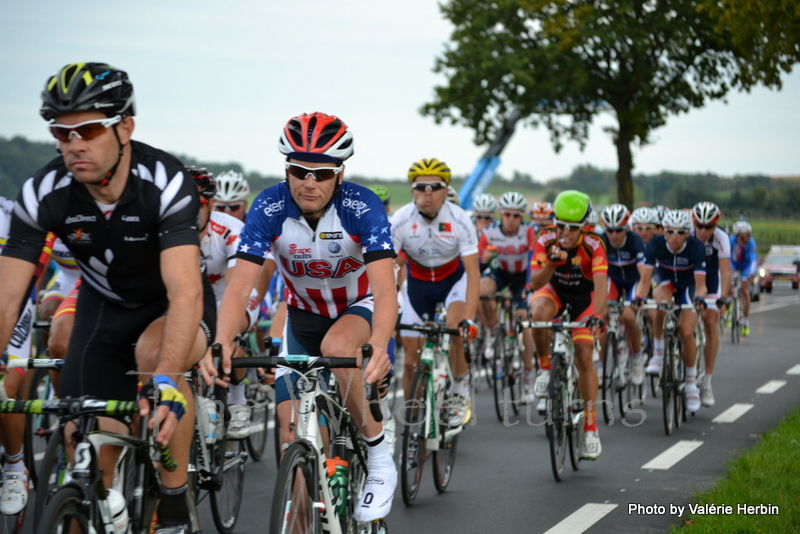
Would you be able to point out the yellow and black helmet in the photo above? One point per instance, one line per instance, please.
(88, 87)
(429, 167)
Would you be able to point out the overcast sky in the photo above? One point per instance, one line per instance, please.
(218, 80)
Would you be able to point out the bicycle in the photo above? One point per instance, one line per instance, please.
(84, 499)
(314, 493)
(564, 415)
(506, 366)
(427, 424)
(259, 398)
(735, 312)
(615, 382)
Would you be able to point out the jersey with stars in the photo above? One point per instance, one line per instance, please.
(324, 268)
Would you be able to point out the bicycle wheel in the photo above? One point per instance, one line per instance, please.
(12, 524)
(277, 436)
(259, 400)
(575, 427)
(558, 417)
(514, 372)
(229, 459)
(445, 457)
(735, 314)
(668, 389)
(608, 385)
(37, 426)
(53, 472)
(65, 512)
(678, 377)
(292, 506)
(412, 456)
(500, 381)
(356, 478)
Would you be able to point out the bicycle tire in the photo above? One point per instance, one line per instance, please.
(576, 430)
(514, 378)
(735, 311)
(226, 500)
(608, 384)
(53, 469)
(259, 417)
(667, 385)
(65, 503)
(37, 426)
(444, 459)
(356, 478)
(500, 371)
(412, 456)
(12, 524)
(558, 436)
(292, 506)
(679, 378)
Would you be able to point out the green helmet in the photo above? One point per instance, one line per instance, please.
(572, 206)
(382, 193)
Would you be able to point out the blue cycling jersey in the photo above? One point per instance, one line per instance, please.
(623, 262)
(743, 257)
(678, 267)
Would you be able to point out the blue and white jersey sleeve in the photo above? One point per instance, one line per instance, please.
(264, 222)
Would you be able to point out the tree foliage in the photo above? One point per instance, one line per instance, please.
(563, 62)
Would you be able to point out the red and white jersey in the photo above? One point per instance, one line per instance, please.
(218, 246)
(513, 251)
(434, 249)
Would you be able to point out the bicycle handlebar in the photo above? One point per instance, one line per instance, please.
(430, 328)
(71, 407)
(553, 324)
(33, 363)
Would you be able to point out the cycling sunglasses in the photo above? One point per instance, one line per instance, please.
(672, 231)
(320, 174)
(488, 217)
(570, 226)
(85, 130)
(425, 187)
(705, 226)
(643, 227)
(512, 214)
(230, 208)
(615, 230)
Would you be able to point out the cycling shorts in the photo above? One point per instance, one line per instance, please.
(420, 298)
(581, 306)
(515, 282)
(683, 293)
(617, 288)
(746, 269)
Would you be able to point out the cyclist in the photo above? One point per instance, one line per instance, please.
(661, 212)
(625, 252)
(513, 243)
(383, 194)
(483, 208)
(569, 269)
(128, 212)
(332, 243)
(677, 263)
(705, 216)
(542, 216)
(643, 221)
(452, 195)
(743, 259)
(232, 194)
(591, 222)
(440, 247)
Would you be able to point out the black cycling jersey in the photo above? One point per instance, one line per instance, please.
(118, 257)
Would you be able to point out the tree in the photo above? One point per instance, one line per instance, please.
(563, 62)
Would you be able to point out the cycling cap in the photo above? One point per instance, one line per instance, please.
(572, 206)
(429, 167)
(232, 187)
(206, 185)
(88, 87)
(542, 210)
(511, 200)
(316, 137)
(382, 193)
(485, 203)
(615, 216)
(677, 219)
(705, 213)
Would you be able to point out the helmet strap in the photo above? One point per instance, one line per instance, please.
(105, 180)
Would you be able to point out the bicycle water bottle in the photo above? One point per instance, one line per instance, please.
(494, 262)
(337, 480)
(119, 510)
(209, 418)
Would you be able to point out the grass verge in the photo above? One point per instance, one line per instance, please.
(766, 474)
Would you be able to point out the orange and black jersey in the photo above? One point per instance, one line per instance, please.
(584, 260)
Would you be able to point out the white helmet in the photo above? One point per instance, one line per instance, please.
(644, 216)
(512, 200)
(232, 187)
(742, 227)
(615, 216)
(452, 195)
(485, 203)
(677, 219)
(705, 213)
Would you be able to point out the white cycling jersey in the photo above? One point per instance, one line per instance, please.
(513, 251)
(434, 249)
(19, 346)
(218, 247)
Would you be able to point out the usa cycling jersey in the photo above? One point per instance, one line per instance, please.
(219, 246)
(434, 248)
(623, 262)
(678, 267)
(323, 267)
(743, 257)
(513, 251)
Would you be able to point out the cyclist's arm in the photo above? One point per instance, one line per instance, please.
(16, 275)
(264, 277)
(185, 295)
(384, 316)
(473, 283)
(645, 277)
(540, 276)
(700, 289)
(400, 261)
(600, 293)
(725, 275)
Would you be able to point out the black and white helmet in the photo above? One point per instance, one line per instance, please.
(644, 216)
(485, 203)
(232, 187)
(705, 213)
(512, 200)
(615, 216)
(677, 219)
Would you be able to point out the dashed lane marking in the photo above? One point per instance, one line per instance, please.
(673, 455)
(733, 413)
(794, 370)
(771, 387)
(582, 519)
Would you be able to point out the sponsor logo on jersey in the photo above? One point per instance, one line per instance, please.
(577, 260)
(356, 205)
(231, 239)
(217, 228)
(445, 227)
(321, 268)
(79, 236)
(145, 237)
(272, 208)
(80, 218)
(334, 247)
(331, 235)
(299, 253)
(130, 218)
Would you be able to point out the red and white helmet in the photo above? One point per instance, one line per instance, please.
(615, 216)
(541, 211)
(705, 213)
(316, 137)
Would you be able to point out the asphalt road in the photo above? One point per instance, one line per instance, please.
(503, 480)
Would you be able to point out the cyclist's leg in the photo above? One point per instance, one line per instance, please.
(544, 305)
(661, 293)
(687, 320)
(489, 286)
(745, 320)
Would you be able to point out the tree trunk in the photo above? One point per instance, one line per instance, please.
(625, 165)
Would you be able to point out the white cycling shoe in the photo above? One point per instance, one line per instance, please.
(376, 499)
(14, 495)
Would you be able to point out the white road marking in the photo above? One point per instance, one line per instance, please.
(771, 387)
(733, 413)
(774, 304)
(583, 518)
(794, 370)
(673, 455)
